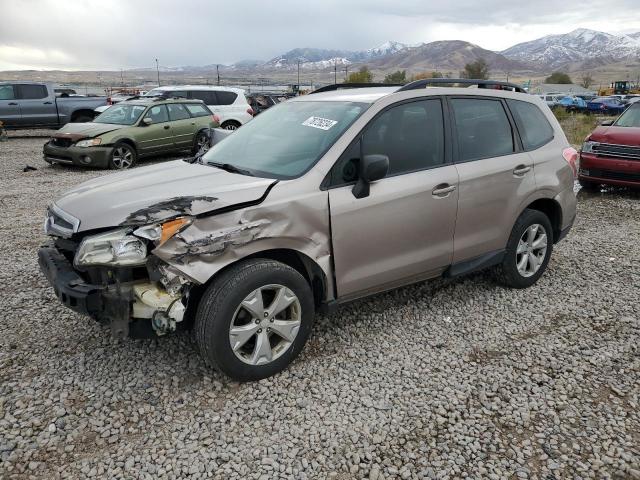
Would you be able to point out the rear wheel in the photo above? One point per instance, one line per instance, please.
(254, 319)
(528, 250)
(123, 156)
(230, 125)
(201, 143)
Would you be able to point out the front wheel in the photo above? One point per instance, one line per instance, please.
(254, 319)
(123, 156)
(201, 143)
(528, 250)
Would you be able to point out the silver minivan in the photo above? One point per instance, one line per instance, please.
(319, 201)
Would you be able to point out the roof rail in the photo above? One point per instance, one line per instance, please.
(344, 86)
(490, 84)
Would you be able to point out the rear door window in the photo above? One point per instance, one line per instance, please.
(226, 98)
(207, 96)
(482, 128)
(32, 92)
(7, 92)
(535, 129)
(177, 112)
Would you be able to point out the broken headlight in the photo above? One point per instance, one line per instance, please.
(161, 232)
(116, 248)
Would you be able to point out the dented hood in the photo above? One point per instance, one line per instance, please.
(148, 194)
(617, 135)
(77, 131)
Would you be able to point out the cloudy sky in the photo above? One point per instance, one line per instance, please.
(114, 34)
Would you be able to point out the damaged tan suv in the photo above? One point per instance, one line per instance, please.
(320, 200)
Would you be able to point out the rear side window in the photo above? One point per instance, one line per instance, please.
(535, 129)
(177, 94)
(32, 92)
(208, 97)
(6, 92)
(226, 98)
(197, 110)
(482, 128)
(177, 112)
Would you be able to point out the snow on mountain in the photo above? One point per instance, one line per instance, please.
(579, 45)
(387, 48)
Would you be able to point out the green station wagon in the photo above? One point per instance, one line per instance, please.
(131, 130)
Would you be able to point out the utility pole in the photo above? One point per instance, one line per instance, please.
(158, 71)
(346, 73)
(218, 73)
(298, 75)
(122, 77)
(335, 71)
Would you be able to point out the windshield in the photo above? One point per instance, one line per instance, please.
(630, 118)
(287, 139)
(121, 114)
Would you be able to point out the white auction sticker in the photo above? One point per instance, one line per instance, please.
(319, 122)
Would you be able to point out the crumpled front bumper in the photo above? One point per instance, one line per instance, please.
(110, 304)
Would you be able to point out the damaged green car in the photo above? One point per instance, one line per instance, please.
(130, 130)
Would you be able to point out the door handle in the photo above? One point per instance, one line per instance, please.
(47, 103)
(520, 170)
(13, 103)
(443, 190)
(166, 127)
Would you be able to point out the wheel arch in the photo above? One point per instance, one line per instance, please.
(128, 141)
(552, 209)
(299, 261)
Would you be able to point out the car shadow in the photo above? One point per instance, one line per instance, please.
(609, 191)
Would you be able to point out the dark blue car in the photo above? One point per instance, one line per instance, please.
(606, 106)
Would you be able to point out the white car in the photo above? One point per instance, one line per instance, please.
(229, 104)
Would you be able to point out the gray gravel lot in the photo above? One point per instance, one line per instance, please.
(442, 380)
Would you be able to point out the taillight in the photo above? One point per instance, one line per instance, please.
(250, 111)
(603, 107)
(216, 118)
(571, 156)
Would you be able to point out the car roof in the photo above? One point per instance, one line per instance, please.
(160, 101)
(372, 94)
(173, 88)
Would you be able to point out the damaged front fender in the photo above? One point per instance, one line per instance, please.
(300, 224)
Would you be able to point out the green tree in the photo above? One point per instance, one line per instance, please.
(425, 75)
(364, 75)
(399, 76)
(558, 77)
(478, 70)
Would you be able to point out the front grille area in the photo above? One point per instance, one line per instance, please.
(611, 175)
(628, 152)
(61, 142)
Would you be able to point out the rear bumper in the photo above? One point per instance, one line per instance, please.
(613, 171)
(84, 157)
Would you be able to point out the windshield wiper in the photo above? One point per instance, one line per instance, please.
(227, 167)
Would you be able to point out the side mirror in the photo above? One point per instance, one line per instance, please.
(146, 121)
(372, 169)
(606, 123)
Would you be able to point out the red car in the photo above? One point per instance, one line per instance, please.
(611, 153)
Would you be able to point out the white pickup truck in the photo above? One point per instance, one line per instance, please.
(32, 104)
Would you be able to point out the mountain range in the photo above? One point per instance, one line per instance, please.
(578, 49)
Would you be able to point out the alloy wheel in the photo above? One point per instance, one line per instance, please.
(122, 157)
(532, 249)
(265, 324)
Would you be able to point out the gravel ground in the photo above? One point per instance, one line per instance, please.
(439, 380)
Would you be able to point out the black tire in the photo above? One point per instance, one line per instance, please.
(507, 272)
(201, 135)
(230, 125)
(116, 153)
(222, 299)
(588, 185)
